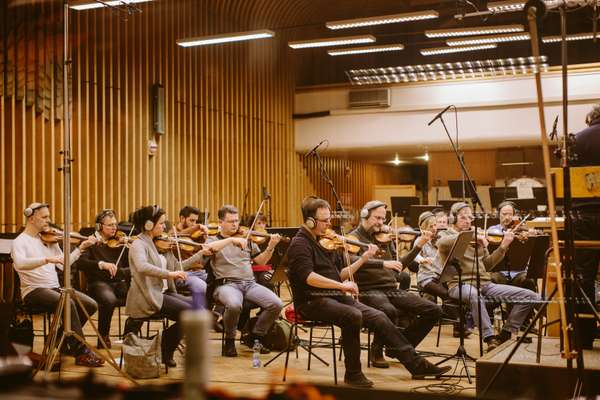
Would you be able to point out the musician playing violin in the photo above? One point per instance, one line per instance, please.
(36, 263)
(515, 275)
(234, 281)
(376, 280)
(107, 272)
(319, 280)
(461, 217)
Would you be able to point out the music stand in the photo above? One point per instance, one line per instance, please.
(450, 269)
(456, 190)
(401, 205)
(499, 194)
(446, 204)
(416, 210)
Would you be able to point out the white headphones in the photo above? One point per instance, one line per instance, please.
(149, 224)
(28, 212)
(454, 210)
(371, 205)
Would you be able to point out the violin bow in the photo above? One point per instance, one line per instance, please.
(177, 245)
(124, 246)
(251, 228)
(396, 237)
(347, 260)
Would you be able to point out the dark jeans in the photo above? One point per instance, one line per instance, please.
(396, 302)
(350, 315)
(109, 296)
(47, 299)
(436, 289)
(173, 305)
(586, 226)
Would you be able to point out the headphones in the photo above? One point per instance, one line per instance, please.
(28, 212)
(424, 217)
(454, 210)
(507, 203)
(149, 224)
(371, 205)
(104, 213)
(309, 221)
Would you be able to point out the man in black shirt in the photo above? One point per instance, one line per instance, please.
(379, 289)
(586, 223)
(107, 281)
(319, 288)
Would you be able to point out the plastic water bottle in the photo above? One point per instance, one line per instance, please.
(256, 354)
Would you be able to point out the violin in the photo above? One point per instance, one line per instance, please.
(166, 243)
(332, 241)
(54, 235)
(258, 235)
(388, 235)
(119, 239)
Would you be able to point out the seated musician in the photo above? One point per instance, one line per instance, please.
(234, 281)
(152, 291)
(196, 275)
(441, 219)
(515, 275)
(319, 284)
(107, 272)
(376, 280)
(262, 273)
(36, 263)
(461, 217)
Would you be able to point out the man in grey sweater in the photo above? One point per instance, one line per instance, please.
(461, 217)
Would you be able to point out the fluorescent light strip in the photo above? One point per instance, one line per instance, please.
(575, 36)
(337, 41)
(458, 49)
(225, 38)
(506, 6)
(476, 30)
(366, 49)
(510, 37)
(381, 20)
(87, 5)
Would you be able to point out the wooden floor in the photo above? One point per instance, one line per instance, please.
(237, 376)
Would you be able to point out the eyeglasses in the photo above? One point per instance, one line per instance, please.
(324, 220)
(113, 225)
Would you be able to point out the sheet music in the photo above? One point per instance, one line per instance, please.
(5, 246)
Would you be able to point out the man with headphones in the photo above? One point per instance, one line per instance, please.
(461, 218)
(378, 284)
(36, 263)
(319, 282)
(515, 275)
(107, 272)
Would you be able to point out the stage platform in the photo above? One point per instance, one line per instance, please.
(524, 378)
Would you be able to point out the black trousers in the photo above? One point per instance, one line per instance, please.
(108, 296)
(396, 303)
(47, 299)
(436, 289)
(350, 315)
(586, 226)
(173, 305)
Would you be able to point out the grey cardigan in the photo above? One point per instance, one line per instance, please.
(145, 296)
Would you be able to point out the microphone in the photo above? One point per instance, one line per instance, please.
(314, 149)
(439, 115)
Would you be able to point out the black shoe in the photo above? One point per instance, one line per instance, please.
(229, 348)
(422, 369)
(358, 379)
(106, 340)
(503, 336)
(492, 342)
(169, 362)
(456, 331)
(377, 359)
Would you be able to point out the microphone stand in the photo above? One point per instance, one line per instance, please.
(476, 201)
(338, 203)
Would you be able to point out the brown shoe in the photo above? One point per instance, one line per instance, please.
(88, 359)
(492, 343)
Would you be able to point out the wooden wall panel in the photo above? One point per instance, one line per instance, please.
(481, 165)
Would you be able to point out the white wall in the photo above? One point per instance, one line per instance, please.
(492, 113)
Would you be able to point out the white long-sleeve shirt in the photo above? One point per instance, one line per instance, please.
(29, 255)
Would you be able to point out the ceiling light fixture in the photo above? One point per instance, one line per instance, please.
(383, 19)
(575, 36)
(336, 41)
(475, 30)
(225, 38)
(88, 5)
(469, 41)
(396, 161)
(432, 51)
(506, 6)
(366, 49)
(447, 71)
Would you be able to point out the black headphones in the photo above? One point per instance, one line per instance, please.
(28, 212)
(104, 213)
(149, 224)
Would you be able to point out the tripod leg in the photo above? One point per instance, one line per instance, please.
(51, 340)
(53, 356)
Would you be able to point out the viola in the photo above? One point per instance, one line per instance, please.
(165, 243)
(258, 236)
(54, 235)
(119, 239)
(332, 241)
(389, 235)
